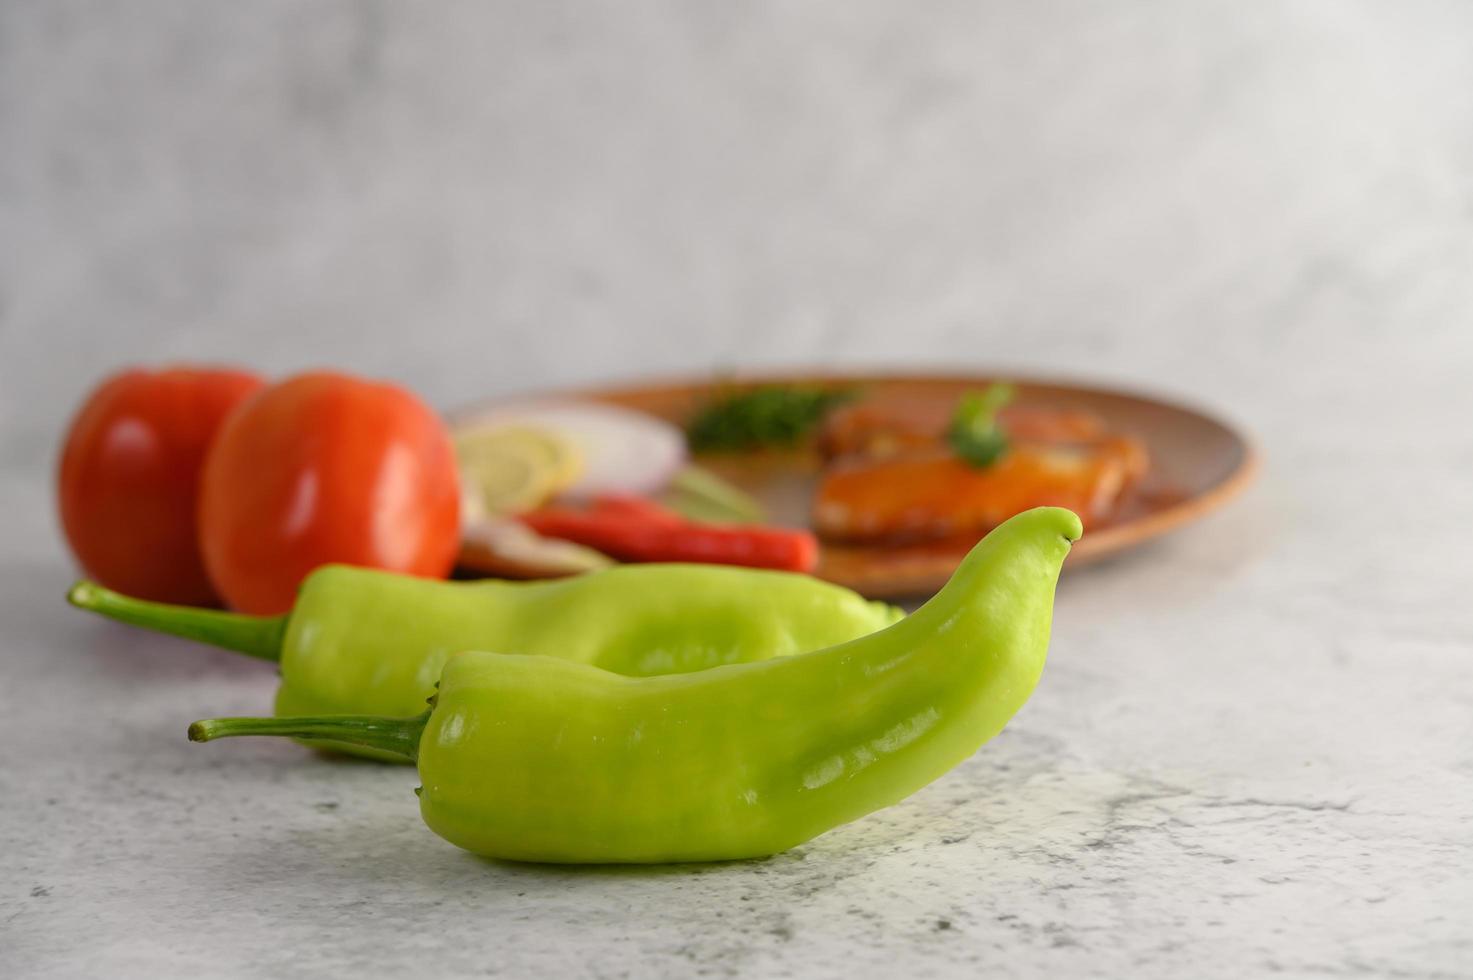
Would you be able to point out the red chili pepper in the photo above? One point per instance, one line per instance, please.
(616, 506)
(634, 529)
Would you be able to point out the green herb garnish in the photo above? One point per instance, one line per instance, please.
(699, 495)
(771, 416)
(974, 433)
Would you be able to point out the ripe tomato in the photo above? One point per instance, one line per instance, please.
(326, 468)
(129, 478)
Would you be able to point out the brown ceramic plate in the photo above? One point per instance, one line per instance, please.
(1198, 463)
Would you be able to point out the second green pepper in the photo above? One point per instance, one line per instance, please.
(368, 642)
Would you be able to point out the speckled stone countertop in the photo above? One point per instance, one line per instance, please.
(1252, 749)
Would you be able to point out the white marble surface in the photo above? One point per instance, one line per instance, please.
(1252, 751)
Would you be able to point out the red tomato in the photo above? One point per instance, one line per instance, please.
(326, 468)
(129, 478)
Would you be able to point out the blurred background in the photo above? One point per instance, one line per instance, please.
(1204, 199)
(1251, 752)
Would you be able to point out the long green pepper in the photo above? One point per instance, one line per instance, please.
(540, 759)
(368, 642)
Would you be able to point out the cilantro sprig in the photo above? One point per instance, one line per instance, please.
(769, 416)
(975, 434)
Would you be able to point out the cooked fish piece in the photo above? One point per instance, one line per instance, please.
(886, 427)
(935, 494)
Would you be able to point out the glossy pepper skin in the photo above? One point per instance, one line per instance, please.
(633, 529)
(360, 641)
(537, 759)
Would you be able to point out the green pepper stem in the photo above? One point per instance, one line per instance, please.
(397, 736)
(255, 636)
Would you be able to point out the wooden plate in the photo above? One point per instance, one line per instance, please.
(1197, 464)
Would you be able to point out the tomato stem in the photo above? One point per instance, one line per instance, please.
(397, 736)
(255, 636)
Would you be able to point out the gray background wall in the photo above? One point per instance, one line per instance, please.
(473, 197)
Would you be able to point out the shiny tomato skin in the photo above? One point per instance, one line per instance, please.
(129, 478)
(326, 468)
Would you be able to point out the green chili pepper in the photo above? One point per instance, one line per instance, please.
(537, 759)
(369, 642)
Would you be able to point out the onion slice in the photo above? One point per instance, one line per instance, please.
(506, 548)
